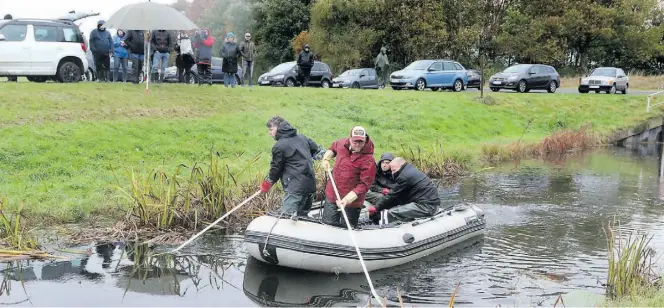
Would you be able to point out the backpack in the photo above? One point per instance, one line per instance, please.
(185, 47)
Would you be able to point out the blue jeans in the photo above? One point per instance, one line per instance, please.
(117, 62)
(248, 69)
(229, 79)
(160, 57)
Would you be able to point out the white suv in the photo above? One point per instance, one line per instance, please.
(42, 50)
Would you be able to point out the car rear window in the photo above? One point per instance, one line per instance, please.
(14, 33)
(72, 35)
(458, 67)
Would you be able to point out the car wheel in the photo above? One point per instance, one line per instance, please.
(458, 85)
(624, 91)
(612, 90)
(325, 84)
(69, 72)
(522, 87)
(553, 86)
(355, 85)
(88, 76)
(420, 85)
(290, 82)
(396, 89)
(495, 89)
(583, 91)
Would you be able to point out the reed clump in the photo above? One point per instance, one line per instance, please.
(630, 268)
(438, 163)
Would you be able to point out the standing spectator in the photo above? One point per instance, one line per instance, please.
(101, 45)
(203, 42)
(162, 44)
(382, 65)
(10, 78)
(305, 61)
(229, 52)
(184, 59)
(135, 43)
(248, 51)
(120, 56)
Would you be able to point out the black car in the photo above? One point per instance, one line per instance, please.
(526, 77)
(217, 74)
(474, 79)
(285, 74)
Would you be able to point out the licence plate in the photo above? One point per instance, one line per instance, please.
(594, 87)
(497, 82)
(394, 80)
(265, 82)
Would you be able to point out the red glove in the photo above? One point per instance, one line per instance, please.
(371, 210)
(265, 187)
(386, 191)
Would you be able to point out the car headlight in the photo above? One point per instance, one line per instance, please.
(278, 76)
(608, 81)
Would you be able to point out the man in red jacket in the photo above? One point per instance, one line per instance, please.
(354, 172)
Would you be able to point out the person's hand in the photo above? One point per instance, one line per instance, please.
(341, 203)
(326, 164)
(371, 209)
(386, 191)
(265, 187)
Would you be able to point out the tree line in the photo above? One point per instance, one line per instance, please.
(572, 35)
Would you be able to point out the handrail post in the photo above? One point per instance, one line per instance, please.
(648, 108)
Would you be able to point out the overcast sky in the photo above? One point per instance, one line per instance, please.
(57, 8)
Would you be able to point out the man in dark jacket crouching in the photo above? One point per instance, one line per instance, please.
(414, 195)
(292, 163)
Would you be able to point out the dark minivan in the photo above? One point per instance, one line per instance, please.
(285, 74)
(526, 77)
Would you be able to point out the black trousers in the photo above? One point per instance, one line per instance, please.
(103, 66)
(204, 74)
(331, 215)
(305, 72)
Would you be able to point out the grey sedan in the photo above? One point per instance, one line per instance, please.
(361, 78)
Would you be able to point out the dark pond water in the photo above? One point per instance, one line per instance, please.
(544, 237)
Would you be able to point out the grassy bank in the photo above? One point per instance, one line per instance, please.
(61, 143)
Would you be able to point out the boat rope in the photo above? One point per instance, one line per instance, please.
(357, 248)
(270, 233)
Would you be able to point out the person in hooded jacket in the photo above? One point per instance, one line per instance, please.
(382, 65)
(354, 172)
(135, 43)
(292, 164)
(101, 46)
(120, 56)
(229, 52)
(202, 43)
(161, 42)
(384, 181)
(305, 61)
(413, 196)
(184, 60)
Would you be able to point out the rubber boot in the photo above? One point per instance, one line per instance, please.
(154, 77)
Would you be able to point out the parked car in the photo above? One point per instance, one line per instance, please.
(42, 50)
(432, 74)
(360, 78)
(285, 74)
(474, 79)
(526, 77)
(217, 74)
(607, 79)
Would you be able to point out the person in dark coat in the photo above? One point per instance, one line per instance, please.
(184, 59)
(202, 43)
(292, 163)
(414, 195)
(10, 78)
(384, 181)
(305, 61)
(101, 46)
(135, 43)
(162, 43)
(354, 172)
(229, 52)
(248, 52)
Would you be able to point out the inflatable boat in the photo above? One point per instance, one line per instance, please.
(303, 242)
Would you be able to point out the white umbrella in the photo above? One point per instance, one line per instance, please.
(149, 16)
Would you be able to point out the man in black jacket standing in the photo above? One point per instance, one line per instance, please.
(292, 163)
(135, 43)
(414, 195)
(305, 61)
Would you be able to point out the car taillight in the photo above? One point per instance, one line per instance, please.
(85, 48)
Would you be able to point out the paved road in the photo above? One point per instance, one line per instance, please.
(575, 91)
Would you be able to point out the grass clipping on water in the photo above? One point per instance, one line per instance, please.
(16, 243)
